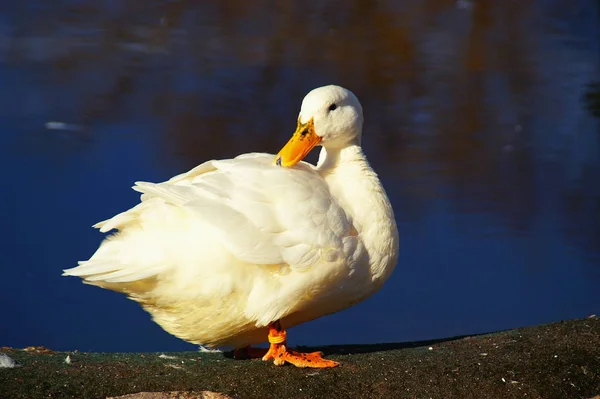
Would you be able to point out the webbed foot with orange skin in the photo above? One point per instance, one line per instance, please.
(281, 354)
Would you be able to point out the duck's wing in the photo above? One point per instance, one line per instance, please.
(265, 215)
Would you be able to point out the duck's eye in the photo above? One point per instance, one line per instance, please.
(332, 107)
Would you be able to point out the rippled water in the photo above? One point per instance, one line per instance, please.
(481, 119)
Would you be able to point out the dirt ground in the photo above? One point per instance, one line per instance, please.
(559, 360)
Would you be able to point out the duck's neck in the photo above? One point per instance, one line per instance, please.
(358, 190)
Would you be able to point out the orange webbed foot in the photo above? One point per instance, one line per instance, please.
(280, 354)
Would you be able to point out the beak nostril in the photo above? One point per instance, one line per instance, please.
(298, 146)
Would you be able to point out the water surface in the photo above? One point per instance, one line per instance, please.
(481, 120)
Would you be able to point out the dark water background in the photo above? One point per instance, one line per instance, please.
(481, 119)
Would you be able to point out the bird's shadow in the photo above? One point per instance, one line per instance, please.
(370, 348)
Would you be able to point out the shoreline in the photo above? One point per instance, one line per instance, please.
(558, 360)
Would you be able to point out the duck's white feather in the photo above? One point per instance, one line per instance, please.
(219, 252)
(240, 228)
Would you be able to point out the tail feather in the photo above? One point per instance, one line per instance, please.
(122, 219)
(92, 267)
(126, 275)
(111, 271)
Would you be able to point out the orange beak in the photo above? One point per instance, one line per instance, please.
(303, 140)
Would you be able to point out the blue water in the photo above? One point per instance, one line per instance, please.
(476, 121)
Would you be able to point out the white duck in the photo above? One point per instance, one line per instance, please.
(234, 251)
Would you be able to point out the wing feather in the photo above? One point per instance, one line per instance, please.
(262, 214)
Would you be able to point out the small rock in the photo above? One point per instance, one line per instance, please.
(39, 350)
(6, 361)
(209, 350)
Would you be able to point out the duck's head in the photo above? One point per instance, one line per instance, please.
(330, 116)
